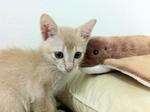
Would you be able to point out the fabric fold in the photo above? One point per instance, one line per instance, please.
(137, 67)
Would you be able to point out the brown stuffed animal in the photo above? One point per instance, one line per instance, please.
(101, 48)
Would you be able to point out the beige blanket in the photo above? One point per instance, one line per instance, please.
(137, 67)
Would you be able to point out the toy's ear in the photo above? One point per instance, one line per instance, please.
(86, 29)
(48, 26)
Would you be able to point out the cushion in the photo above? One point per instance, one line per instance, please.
(110, 92)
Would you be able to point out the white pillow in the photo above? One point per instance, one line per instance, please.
(111, 92)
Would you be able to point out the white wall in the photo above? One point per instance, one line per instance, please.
(19, 19)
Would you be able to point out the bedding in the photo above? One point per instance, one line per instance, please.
(110, 92)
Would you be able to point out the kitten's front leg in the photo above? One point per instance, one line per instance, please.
(44, 104)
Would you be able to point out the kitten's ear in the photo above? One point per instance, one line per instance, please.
(48, 26)
(86, 29)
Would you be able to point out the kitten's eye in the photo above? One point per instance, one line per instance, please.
(77, 55)
(59, 55)
(95, 52)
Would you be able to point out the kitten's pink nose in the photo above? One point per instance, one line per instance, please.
(69, 67)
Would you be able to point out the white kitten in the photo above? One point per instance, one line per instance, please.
(27, 76)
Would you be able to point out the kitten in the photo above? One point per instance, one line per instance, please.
(27, 76)
(101, 48)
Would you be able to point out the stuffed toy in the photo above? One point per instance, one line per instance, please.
(128, 54)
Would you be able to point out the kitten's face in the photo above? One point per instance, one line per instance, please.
(65, 53)
(64, 47)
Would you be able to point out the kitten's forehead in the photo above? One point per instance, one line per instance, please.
(66, 37)
(70, 36)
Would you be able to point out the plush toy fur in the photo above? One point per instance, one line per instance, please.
(101, 48)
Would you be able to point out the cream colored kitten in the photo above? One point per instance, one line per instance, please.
(27, 76)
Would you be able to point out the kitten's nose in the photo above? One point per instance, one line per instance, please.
(69, 67)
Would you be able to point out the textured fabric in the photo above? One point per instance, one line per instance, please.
(111, 92)
(137, 67)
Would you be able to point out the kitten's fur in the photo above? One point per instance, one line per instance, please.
(115, 47)
(27, 76)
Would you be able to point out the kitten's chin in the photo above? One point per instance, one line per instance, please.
(64, 72)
